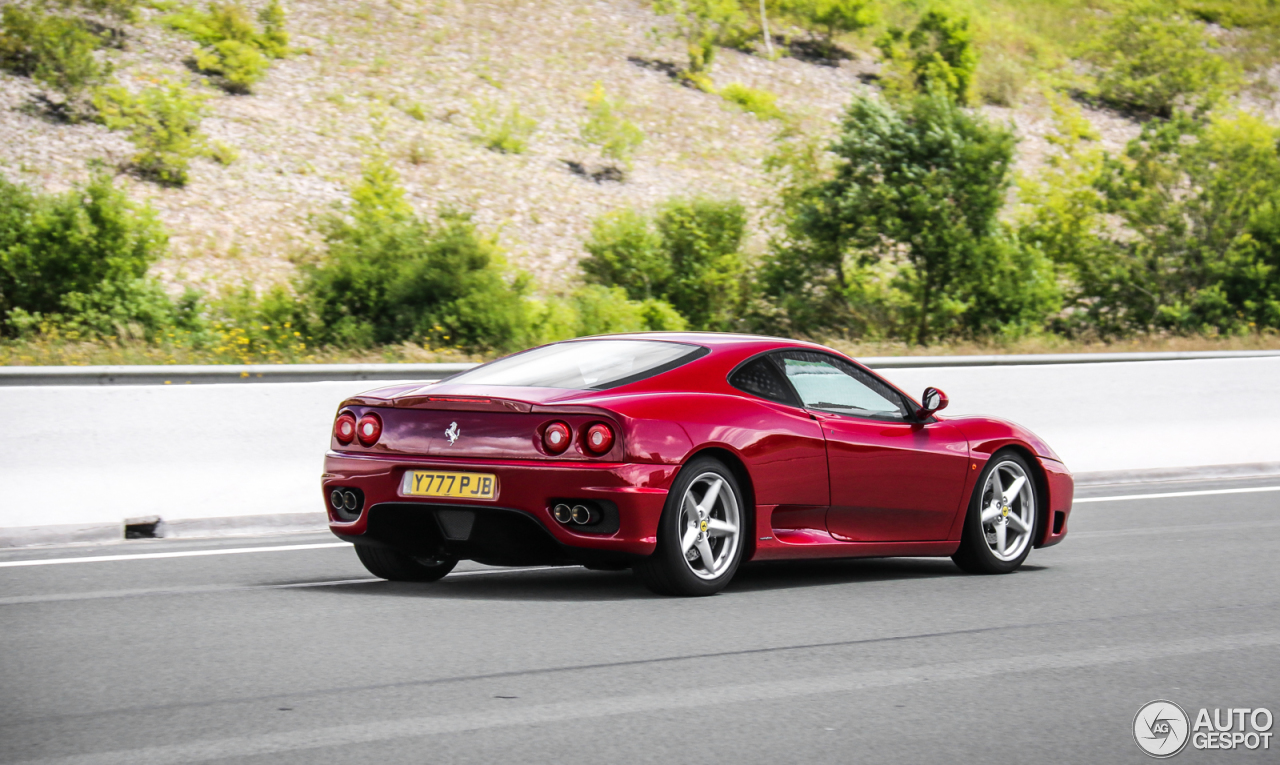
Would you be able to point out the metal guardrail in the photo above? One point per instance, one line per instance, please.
(1016, 360)
(268, 373)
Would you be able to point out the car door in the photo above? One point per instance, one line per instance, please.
(787, 454)
(892, 478)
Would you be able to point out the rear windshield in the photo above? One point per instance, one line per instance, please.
(584, 364)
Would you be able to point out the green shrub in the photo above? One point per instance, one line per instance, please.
(222, 21)
(617, 136)
(625, 251)
(827, 18)
(505, 132)
(274, 40)
(411, 109)
(233, 48)
(688, 255)
(703, 238)
(761, 103)
(661, 316)
(222, 153)
(1154, 63)
(938, 52)
(80, 260)
(704, 25)
(1183, 234)
(1000, 80)
(390, 276)
(903, 238)
(251, 324)
(239, 65)
(121, 10)
(602, 310)
(1250, 14)
(598, 310)
(163, 122)
(56, 52)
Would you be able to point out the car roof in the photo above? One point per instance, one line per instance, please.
(727, 350)
(714, 340)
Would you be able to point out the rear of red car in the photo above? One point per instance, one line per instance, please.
(501, 474)
(492, 493)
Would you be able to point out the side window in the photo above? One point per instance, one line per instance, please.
(831, 385)
(762, 378)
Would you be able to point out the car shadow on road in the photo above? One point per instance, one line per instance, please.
(578, 584)
(781, 575)
(570, 583)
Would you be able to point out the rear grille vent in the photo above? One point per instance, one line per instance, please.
(456, 524)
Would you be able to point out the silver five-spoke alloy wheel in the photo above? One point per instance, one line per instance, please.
(709, 526)
(1008, 510)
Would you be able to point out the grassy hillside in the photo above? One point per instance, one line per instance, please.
(442, 87)
(414, 79)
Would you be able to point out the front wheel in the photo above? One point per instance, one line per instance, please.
(999, 528)
(701, 534)
(398, 567)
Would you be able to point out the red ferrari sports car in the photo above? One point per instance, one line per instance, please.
(681, 455)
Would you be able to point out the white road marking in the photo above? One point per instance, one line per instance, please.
(1123, 497)
(561, 712)
(1192, 529)
(182, 554)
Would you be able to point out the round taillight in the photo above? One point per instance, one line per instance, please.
(369, 429)
(556, 437)
(599, 438)
(344, 428)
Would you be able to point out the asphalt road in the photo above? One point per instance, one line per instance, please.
(295, 656)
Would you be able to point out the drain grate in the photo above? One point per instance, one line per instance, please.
(142, 528)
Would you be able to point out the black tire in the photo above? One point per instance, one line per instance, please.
(975, 554)
(667, 571)
(398, 567)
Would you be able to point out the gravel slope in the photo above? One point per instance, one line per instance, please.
(302, 134)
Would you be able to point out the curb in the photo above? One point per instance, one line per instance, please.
(192, 528)
(1159, 475)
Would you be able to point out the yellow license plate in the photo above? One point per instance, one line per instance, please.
(435, 483)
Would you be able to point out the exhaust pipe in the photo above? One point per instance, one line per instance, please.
(580, 513)
(347, 503)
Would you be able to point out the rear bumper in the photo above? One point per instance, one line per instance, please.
(1061, 494)
(520, 513)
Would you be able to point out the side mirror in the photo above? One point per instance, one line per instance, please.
(932, 401)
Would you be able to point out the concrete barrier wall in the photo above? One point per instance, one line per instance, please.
(76, 458)
(78, 461)
(1127, 416)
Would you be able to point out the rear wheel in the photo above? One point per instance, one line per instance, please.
(700, 535)
(999, 528)
(398, 567)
